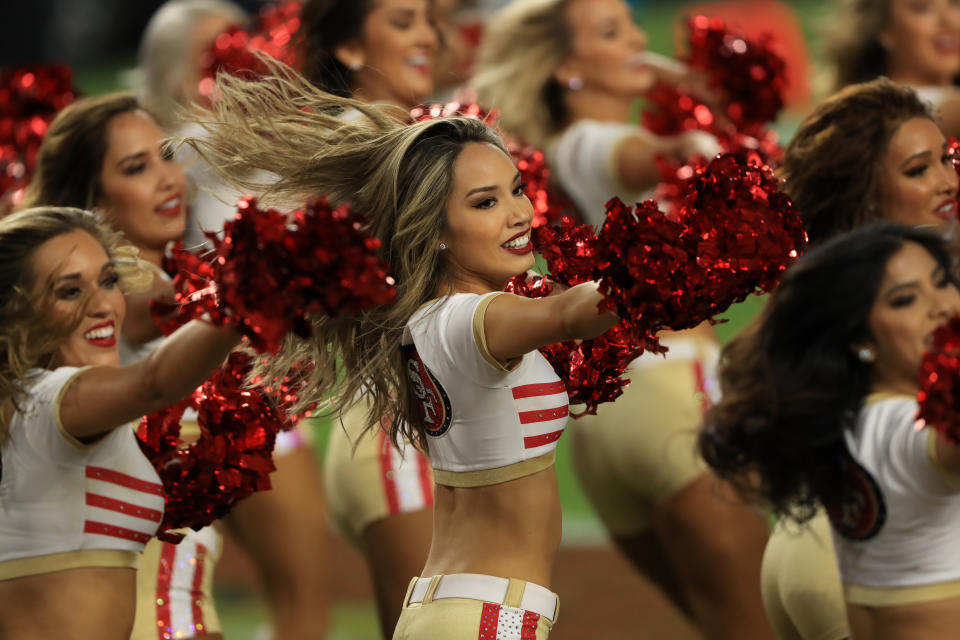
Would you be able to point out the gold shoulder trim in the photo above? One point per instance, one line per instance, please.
(69, 437)
(480, 335)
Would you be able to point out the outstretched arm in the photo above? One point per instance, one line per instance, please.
(515, 325)
(103, 398)
(635, 155)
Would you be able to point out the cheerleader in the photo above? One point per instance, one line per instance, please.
(379, 497)
(452, 364)
(819, 407)
(566, 74)
(79, 498)
(872, 152)
(913, 43)
(106, 153)
(281, 530)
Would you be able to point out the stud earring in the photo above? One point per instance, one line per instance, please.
(355, 66)
(575, 83)
(865, 354)
(443, 246)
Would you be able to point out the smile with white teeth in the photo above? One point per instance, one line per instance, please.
(947, 209)
(99, 334)
(417, 61)
(517, 243)
(169, 204)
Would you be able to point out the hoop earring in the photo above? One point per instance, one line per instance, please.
(575, 83)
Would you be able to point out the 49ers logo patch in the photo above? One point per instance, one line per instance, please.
(432, 400)
(863, 513)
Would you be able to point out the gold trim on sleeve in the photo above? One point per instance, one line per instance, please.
(480, 336)
(69, 437)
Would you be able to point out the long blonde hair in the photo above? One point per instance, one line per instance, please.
(522, 47)
(29, 333)
(399, 176)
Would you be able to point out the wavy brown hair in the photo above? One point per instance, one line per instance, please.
(399, 176)
(29, 333)
(792, 383)
(832, 165)
(71, 155)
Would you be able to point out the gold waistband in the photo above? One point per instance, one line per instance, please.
(82, 558)
(891, 596)
(485, 477)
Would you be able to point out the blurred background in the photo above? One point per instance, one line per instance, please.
(99, 38)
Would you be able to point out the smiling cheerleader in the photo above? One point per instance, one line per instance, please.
(80, 499)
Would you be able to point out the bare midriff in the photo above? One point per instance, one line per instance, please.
(76, 604)
(510, 530)
(922, 621)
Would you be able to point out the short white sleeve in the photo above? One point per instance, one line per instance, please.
(897, 452)
(583, 161)
(39, 415)
(450, 339)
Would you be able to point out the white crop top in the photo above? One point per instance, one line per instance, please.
(486, 422)
(902, 531)
(66, 504)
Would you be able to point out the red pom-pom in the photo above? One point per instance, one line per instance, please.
(569, 250)
(591, 370)
(272, 270)
(953, 152)
(939, 395)
(30, 97)
(232, 458)
(548, 205)
(750, 73)
(734, 234)
(234, 50)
